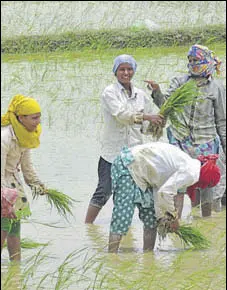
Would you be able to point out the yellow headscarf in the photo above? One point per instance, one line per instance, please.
(21, 105)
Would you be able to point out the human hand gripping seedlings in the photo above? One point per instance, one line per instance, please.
(60, 201)
(38, 189)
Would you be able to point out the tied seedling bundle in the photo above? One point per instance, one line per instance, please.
(189, 236)
(183, 96)
(60, 201)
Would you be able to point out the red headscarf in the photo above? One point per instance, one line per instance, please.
(209, 174)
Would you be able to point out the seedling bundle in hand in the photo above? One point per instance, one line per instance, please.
(60, 201)
(183, 96)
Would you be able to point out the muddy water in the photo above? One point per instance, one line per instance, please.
(68, 89)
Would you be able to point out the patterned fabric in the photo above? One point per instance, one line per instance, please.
(8, 199)
(126, 156)
(21, 206)
(9, 194)
(127, 196)
(194, 150)
(207, 62)
(124, 58)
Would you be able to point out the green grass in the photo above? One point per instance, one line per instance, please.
(114, 39)
(105, 55)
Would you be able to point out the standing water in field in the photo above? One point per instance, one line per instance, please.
(68, 87)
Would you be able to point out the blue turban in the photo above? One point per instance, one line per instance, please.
(124, 58)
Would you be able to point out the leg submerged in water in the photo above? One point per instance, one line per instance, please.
(179, 203)
(92, 213)
(197, 199)
(14, 248)
(206, 201)
(206, 208)
(114, 243)
(102, 192)
(149, 238)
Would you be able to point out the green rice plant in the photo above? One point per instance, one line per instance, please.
(29, 244)
(11, 279)
(183, 96)
(32, 264)
(189, 236)
(60, 201)
(67, 274)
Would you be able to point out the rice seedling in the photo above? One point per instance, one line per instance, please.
(183, 96)
(32, 266)
(189, 236)
(29, 244)
(60, 201)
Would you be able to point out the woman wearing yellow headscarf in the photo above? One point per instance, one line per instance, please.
(20, 132)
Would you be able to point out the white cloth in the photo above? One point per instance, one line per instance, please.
(119, 112)
(166, 168)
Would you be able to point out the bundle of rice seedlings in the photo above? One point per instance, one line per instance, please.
(189, 236)
(183, 96)
(60, 201)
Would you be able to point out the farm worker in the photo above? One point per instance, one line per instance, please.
(20, 132)
(126, 112)
(148, 176)
(204, 123)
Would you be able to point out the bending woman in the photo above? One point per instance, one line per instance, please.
(148, 177)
